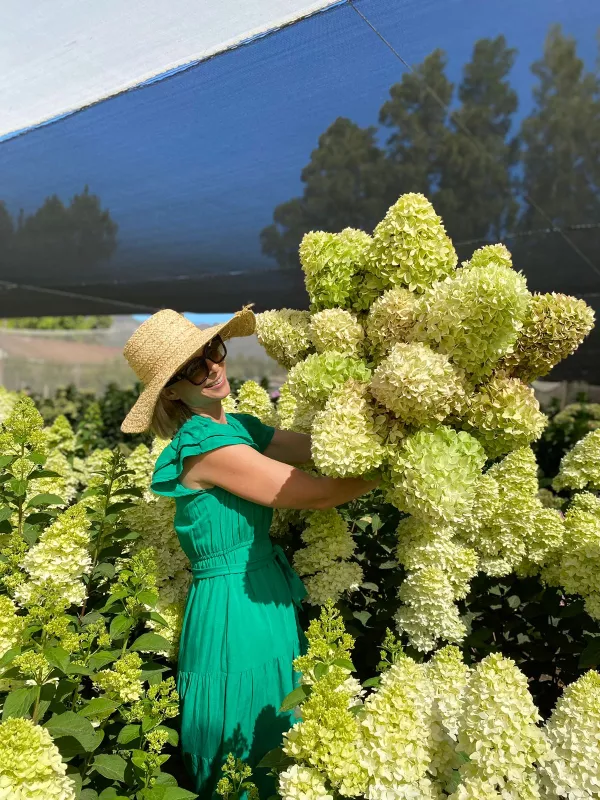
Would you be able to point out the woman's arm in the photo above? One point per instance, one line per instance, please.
(289, 447)
(242, 471)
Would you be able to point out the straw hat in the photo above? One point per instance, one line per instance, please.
(161, 346)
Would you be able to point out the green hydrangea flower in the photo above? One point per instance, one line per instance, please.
(123, 682)
(410, 246)
(491, 254)
(579, 563)
(580, 467)
(302, 782)
(554, 327)
(31, 767)
(504, 415)
(60, 436)
(331, 264)
(474, 317)
(328, 541)
(11, 625)
(343, 577)
(417, 385)
(573, 766)
(498, 727)
(434, 474)
(315, 378)
(429, 612)
(253, 399)
(284, 335)
(390, 320)
(294, 414)
(345, 440)
(337, 330)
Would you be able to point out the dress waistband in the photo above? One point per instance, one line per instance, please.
(276, 555)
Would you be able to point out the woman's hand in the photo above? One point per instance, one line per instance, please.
(239, 469)
(289, 447)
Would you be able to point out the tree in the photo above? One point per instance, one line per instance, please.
(345, 182)
(417, 114)
(561, 159)
(477, 182)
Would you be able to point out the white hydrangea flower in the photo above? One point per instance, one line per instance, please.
(31, 767)
(345, 438)
(228, 404)
(303, 783)
(573, 767)
(60, 557)
(580, 467)
(337, 330)
(11, 625)
(123, 682)
(390, 320)
(253, 399)
(333, 582)
(284, 335)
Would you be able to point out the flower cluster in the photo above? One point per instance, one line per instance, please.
(329, 546)
(572, 768)
(31, 767)
(124, 682)
(11, 625)
(253, 399)
(345, 436)
(284, 335)
(331, 263)
(60, 558)
(390, 320)
(554, 327)
(337, 330)
(315, 378)
(580, 467)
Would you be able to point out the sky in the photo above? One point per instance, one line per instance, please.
(192, 167)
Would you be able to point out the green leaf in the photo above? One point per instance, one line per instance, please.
(99, 707)
(18, 702)
(151, 642)
(590, 657)
(114, 597)
(345, 663)
(101, 658)
(129, 733)
(71, 724)
(164, 779)
(31, 534)
(148, 723)
(116, 508)
(132, 491)
(5, 513)
(371, 682)
(138, 757)
(148, 598)
(5, 461)
(320, 670)
(78, 669)
(88, 794)
(45, 473)
(19, 488)
(45, 500)
(106, 569)
(9, 656)
(362, 616)
(275, 759)
(295, 697)
(39, 518)
(111, 794)
(373, 587)
(155, 617)
(119, 626)
(177, 793)
(57, 657)
(37, 457)
(110, 766)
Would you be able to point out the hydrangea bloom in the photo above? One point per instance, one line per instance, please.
(141, 463)
(554, 327)
(313, 380)
(155, 518)
(294, 414)
(337, 330)
(504, 414)
(416, 384)
(11, 625)
(332, 582)
(123, 682)
(284, 335)
(421, 545)
(410, 245)
(24, 425)
(31, 767)
(229, 404)
(579, 564)
(302, 783)
(253, 399)
(498, 727)
(398, 734)
(345, 440)
(573, 767)
(434, 474)
(580, 467)
(7, 402)
(390, 320)
(474, 317)
(448, 676)
(429, 612)
(328, 541)
(60, 558)
(496, 254)
(331, 262)
(60, 435)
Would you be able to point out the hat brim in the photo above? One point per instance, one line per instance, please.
(139, 418)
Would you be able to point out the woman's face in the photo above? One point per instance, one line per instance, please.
(214, 389)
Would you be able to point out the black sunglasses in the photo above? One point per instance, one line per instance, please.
(196, 370)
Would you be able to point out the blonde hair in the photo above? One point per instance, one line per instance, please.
(168, 417)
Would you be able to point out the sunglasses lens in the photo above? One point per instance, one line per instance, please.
(215, 351)
(197, 370)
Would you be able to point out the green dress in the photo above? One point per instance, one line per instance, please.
(240, 628)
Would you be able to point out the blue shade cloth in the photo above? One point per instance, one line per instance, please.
(191, 168)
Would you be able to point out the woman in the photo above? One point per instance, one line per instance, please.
(227, 472)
